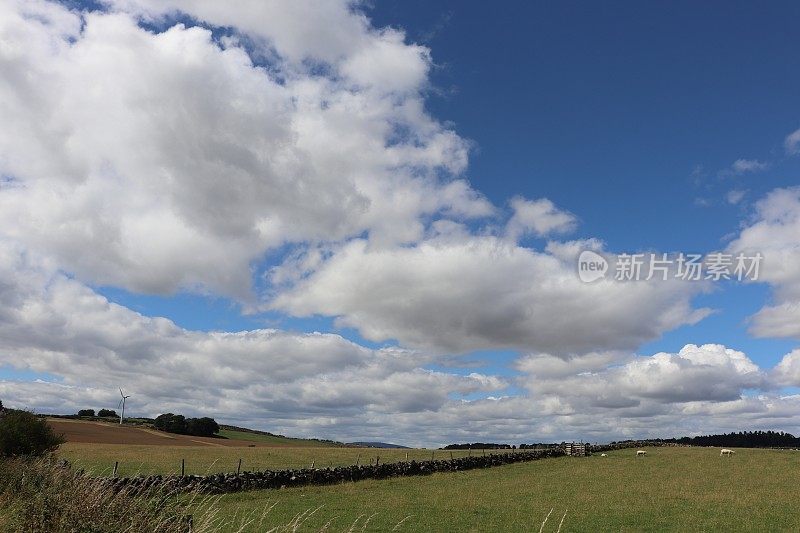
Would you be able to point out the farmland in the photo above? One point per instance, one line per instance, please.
(670, 489)
(679, 489)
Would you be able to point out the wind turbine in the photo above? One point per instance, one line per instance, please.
(122, 403)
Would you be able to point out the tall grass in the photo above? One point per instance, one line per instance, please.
(45, 495)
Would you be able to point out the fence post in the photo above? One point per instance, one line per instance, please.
(116, 465)
(432, 452)
(312, 464)
(377, 460)
(358, 458)
(183, 467)
(406, 456)
(239, 468)
(451, 456)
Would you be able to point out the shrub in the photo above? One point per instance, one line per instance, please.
(107, 413)
(23, 433)
(86, 412)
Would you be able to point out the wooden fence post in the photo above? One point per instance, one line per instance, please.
(239, 468)
(116, 465)
(183, 467)
(358, 458)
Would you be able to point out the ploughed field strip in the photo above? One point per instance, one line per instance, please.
(81, 431)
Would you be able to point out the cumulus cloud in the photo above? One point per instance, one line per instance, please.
(463, 293)
(775, 232)
(696, 373)
(157, 157)
(54, 325)
(787, 372)
(538, 217)
(180, 163)
(324, 385)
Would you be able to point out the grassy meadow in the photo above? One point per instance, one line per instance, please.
(672, 489)
(98, 459)
(273, 440)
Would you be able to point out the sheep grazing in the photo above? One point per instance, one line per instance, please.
(726, 451)
(603, 455)
(640, 453)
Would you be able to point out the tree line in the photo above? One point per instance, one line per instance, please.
(496, 446)
(745, 439)
(198, 427)
(741, 439)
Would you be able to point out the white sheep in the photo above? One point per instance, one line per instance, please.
(640, 453)
(603, 455)
(726, 451)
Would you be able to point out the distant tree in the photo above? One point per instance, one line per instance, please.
(202, 427)
(86, 412)
(171, 423)
(107, 413)
(23, 433)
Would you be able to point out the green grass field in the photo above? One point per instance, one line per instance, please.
(268, 439)
(672, 489)
(98, 459)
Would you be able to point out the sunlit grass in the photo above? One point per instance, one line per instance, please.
(672, 489)
(99, 459)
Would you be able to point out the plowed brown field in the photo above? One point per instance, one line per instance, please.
(105, 433)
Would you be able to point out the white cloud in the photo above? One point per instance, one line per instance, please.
(745, 166)
(787, 372)
(735, 196)
(53, 325)
(538, 217)
(697, 373)
(463, 293)
(323, 385)
(792, 143)
(170, 160)
(180, 163)
(775, 233)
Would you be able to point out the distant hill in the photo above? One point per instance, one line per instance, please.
(241, 433)
(241, 436)
(377, 445)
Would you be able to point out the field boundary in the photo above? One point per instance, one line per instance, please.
(276, 479)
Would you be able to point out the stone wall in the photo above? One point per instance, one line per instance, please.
(274, 479)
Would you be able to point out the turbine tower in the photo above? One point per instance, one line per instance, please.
(122, 403)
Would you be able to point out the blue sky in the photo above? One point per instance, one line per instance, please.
(252, 189)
